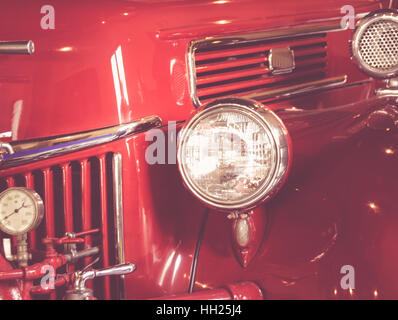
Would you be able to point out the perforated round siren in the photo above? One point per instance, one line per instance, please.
(375, 44)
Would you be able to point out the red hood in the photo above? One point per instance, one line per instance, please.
(75, 80)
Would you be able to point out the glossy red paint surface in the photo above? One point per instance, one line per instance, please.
(313, 222)
(237, 291)
(337, 207)
(71, 71)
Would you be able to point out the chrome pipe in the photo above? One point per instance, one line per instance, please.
(296, 89)
(82, 277)
(73, 257)
(17, 47)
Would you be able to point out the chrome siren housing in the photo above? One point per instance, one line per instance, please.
(375, 44)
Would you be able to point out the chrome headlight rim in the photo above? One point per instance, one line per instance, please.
(277, 133)
(360, 29)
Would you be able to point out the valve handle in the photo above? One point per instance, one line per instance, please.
(82, 276)
(64, 240)
(117, 270)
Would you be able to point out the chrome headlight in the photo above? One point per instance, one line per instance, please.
(233, 154)
(375, 44)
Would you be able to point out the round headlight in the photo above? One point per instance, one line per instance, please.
(375, 44)
(233, 154)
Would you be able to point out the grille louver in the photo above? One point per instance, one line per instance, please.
(242, 68)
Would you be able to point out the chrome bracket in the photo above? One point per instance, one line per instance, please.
(70, 248)
(391, 89)
(7, 249)
(5, 148)
(281, 60)
(392, 93)
(23, 256)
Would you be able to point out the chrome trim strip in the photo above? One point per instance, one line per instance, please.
(267, 35)
(305, 87)
(17, 47)
(31, 151)
(118, 218)
(247, 38)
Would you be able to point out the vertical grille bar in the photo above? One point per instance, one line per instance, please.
(86, 200)
(118, 220)
(10, 182)
(104, 222)
(85, 181)
(30, 184)
(49, 202)
(86, 196)
(68, 205)
(49, 208)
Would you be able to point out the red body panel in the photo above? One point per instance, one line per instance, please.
(71, 71)
(336, 208)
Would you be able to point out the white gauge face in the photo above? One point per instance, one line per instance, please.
(21, 210)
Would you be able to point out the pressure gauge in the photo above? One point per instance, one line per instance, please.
(21, 210)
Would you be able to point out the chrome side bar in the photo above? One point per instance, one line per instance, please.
(293, 90)
(118, 218)
(17, 47)
(390, 93)
(266, 35)
(31, 151)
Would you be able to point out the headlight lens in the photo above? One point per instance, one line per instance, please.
(233, 154)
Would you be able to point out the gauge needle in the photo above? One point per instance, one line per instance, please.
(15, 211)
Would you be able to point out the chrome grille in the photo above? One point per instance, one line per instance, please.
(78, 196)
(240, 67)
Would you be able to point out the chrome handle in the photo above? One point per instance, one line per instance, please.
(117, 270)
(83, 276)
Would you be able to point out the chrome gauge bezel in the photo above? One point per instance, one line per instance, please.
(38, 210)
